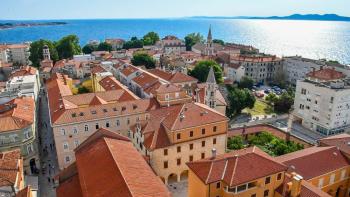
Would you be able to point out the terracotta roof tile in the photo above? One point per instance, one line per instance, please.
(323, 160)
(236, 167)
(341, 141)
(17, 114)
(25, 192)
(10, 167)
(117, 165)
(326, 74)
(145, 80)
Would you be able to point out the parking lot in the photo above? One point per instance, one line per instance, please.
(264, 90)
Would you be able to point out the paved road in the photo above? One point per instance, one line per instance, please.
(48, 155)
(300, 131)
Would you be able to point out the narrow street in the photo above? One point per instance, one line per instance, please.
(47, 151)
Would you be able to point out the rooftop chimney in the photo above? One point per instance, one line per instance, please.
(296, 185)
(213, 153)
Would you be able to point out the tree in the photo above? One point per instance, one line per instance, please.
(150, 38)
(68, 46)
(89, 48)
(83, 89)
(271, 98)
(238, 100)
(246, 82)
(143, 59)
(218, 41)
(104, 46)
(192, 39)
(284, 103)
(202, 68)
(134, 42)
(235, 143)
(36, 51)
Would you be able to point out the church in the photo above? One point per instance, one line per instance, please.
(209, 48)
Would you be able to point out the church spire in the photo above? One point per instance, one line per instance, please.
(210, 38)
(211, 76)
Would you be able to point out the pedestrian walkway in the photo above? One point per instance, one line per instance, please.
(48, 154)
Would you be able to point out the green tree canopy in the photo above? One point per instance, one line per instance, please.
(284, 103)
(235, 143)
(192, 39)
(202, 68)
(36, 51)
(246, 82)
(143, 59)
(218, 41)
(150, 38)
(104, 46)
(134, 42)
(89, 48)
(238, 100)
(68, 46)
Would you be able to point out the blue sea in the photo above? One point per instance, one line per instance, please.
(312, 39)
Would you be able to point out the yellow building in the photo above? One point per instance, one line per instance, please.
(244, 173)
(178, 134)
(312, 172)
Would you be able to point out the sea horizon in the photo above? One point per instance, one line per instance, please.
(311, 39)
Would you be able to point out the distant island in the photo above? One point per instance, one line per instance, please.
(23, 24)
(318, 17)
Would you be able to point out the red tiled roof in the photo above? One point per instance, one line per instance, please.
(167, 88)
(145, 80)
(10, 167)
(173, 78)
(110, 83)
(97, 69)
(129, 70)
(323, 160)
(70, 187)
(24, 71)
(326, 74)
(236, 167)
(341, 141)
(17, 114)
(119, 168)
(168, 119)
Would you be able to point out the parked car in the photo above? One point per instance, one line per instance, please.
(267, 91)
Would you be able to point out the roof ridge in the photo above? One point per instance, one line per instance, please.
(224, 171)
(211, 167)
(116, 163)
(234, 169)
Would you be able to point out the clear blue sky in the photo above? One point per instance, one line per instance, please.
(78, 9)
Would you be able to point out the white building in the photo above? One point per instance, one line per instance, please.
(15, 53)
(83, 58)
(23, 86)
(295, 68)
(171, 44)
(322, 101)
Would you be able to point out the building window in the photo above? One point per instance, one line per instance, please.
(107, 124)
(203, 143)
(279, 176)
(97, 126)
(331, 180)
(303, 91)
(214, 128)
(76, 143)
(320, 183)
(63, 132)
(203, 155)
(178, 161)
(266, 193)
(165, 164)
(179, 149)
(343, 174)
(178, 136)
(165, 151)
(191, 158)
(30, 148)
(203, 131)
(75, 130)
(67, 159)
(118, 123)
(128, 121)
(267, 180)
(191, 133)
(253, 195)
(65, 145)
(214, 141)
(86, 128)
(218, 185)
(191, 146)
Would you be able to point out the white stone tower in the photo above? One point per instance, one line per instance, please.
(46, 52)
(210, 98)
